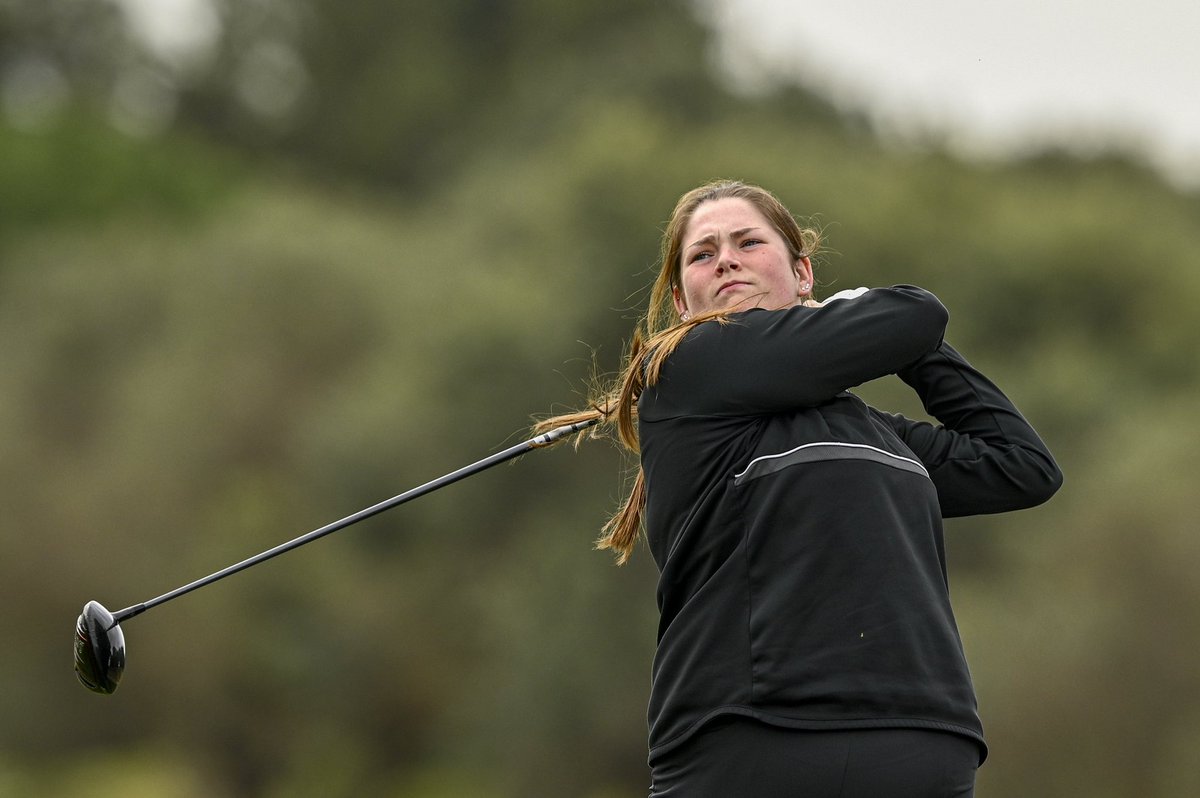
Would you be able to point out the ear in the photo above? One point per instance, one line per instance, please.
(804, 276)
(680, 305)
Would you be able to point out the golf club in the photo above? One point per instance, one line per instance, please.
(100, 643)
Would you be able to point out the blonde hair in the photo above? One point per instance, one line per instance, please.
(655, 338)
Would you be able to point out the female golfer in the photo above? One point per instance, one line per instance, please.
(807, 645)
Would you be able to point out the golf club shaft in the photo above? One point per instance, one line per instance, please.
(537, 442)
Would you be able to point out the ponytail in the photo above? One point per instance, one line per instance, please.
(616, 407)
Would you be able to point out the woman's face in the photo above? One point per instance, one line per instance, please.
(732, 258)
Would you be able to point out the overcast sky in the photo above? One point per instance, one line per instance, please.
(995, 75)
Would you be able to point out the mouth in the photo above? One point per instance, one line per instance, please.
(729, 285)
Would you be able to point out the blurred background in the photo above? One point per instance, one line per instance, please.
(264, 263)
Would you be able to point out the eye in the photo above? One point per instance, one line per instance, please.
(749, 242)
(701, 255)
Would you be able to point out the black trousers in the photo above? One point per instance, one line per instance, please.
(736, 757)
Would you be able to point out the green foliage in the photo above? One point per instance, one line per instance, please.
(78, 171)
(206, 354)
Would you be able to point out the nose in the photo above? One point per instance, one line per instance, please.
(727, 259)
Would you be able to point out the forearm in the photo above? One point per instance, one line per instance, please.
(985, 457)
(773, 361)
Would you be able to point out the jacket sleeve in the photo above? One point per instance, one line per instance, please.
(984, 457)
(769, 361)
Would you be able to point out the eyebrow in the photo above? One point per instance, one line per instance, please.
(712, 236)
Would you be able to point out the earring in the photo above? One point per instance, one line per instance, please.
(684, 316)
(803, 286)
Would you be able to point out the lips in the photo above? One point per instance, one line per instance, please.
(730, 284)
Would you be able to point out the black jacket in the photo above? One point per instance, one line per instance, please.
(798, 531)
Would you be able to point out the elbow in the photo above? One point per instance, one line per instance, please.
(939, 313)
(1030, 478)
(1054, 481)
(1015, 486)
(1044, 480)
(940, 320)
(929, 318)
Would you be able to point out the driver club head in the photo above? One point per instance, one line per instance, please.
(99, 649)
